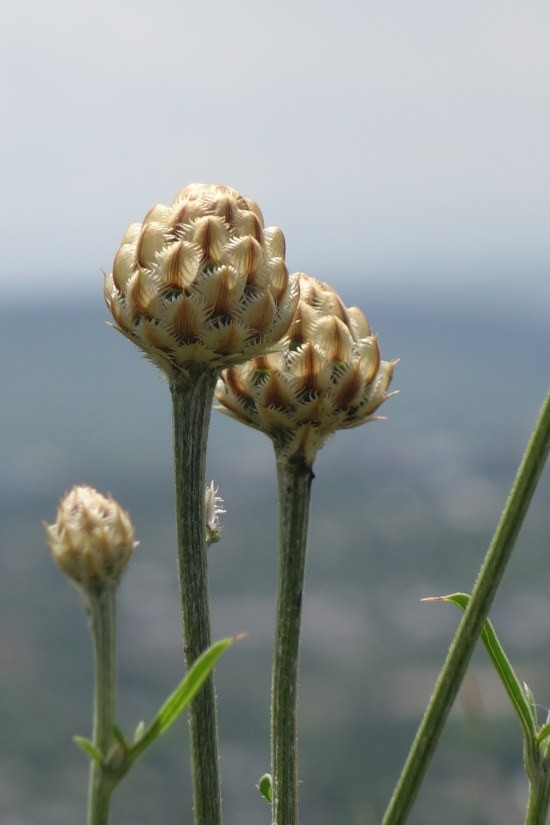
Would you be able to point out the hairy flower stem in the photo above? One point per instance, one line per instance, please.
(100, 606)
(192, 395)
(294, 495)
(472, 622)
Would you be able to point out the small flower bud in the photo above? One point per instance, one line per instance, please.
(202, 280)
(212, 509)
(92, 539)
(326, 375)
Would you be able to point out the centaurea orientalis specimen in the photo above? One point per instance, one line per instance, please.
(326, 375)
(199, 286)
(92, 541)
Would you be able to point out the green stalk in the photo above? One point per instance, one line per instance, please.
(192, 395)
(100, 605)
(294, 480)
(539, 795)
(472, 622)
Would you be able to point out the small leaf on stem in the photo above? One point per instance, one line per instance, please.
(89, 749)
(532, 704)
(182, 696)
(121, 738)
(521, 703)
(139, 731)
(264, 786)
(543, 733)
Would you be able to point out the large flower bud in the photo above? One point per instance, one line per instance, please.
(325, 376)
(202, 280)
(92, 539)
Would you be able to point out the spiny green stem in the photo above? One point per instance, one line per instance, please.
(294, 496)
(192, 395)
(472, 622)
(100, 606)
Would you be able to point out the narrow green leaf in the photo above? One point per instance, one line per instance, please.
(139, 731)
(89, 749)
(181, 697)
(264, 786)
(121, 738)
(503, 668)
(543, 733)
(532, 704)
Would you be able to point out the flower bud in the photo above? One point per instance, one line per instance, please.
(326, 375)
(212, 508)
(92, 539)
(202, 280)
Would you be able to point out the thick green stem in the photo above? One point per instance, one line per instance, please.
(537, 767)
(539, 802)
(472, 622)
(100, 605)
(294, 495)
(192, 395)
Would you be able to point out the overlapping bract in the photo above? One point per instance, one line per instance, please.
(326, 375)
(202, 280)
(92, 539)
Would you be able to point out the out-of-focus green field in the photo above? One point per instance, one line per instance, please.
(401, 509)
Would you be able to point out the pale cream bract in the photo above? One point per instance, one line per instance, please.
(325, 376)
(92, 539)
(202, 280)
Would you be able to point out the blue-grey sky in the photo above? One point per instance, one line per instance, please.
(402, 140)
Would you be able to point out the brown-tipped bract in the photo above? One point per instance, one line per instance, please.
(202, 280)
(92, 539)
(325, 376)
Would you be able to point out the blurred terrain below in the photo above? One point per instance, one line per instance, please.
(401, 509)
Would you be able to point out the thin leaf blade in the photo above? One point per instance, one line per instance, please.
(531, 702)
(89, 749)
(182, 696)
(543, 733)
(139, 731)
(503, 667)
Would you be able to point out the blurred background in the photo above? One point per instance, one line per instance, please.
(403, 149)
